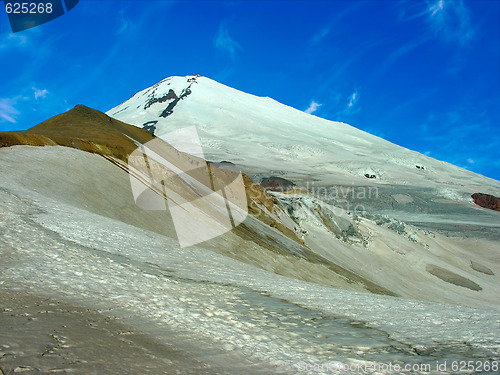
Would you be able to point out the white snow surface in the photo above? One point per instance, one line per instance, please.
(55, 249)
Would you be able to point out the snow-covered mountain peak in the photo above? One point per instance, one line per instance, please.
(265, 136)
(203, 92)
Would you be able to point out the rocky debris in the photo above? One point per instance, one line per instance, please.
(225, 165)
(486, 201)
(150, 126)
(401, 228)
(170, 108)
(278, 184)
(398, 227)
(372, 176)
(170, 95)
(264, 207)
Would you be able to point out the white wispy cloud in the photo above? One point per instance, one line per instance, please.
(345, 106)
(16, 39)
(351, 103)
(7, 111)
(350, 107)
(353, 99)
(39, 93)
(313, 107)
(451, 134)
(450, 19)
(224, 42)
(436, 7)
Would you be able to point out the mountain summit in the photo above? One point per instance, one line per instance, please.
(246, 129)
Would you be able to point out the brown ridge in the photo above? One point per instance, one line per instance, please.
(82, 128)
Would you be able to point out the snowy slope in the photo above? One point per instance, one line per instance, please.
(237, 318)
(397, 238)
(265, 136)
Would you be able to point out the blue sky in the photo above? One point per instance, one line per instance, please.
(422, 74)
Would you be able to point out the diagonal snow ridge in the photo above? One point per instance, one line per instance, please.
(200, 208)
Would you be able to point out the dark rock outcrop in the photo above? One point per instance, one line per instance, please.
(279, 184)
(170, 108)
(170, 95)
(486, 201)
(150, 126)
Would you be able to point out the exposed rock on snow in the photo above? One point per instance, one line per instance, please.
(275, 183)
(225, 165)
(150, 126)
(170, 95)
(486, 201)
